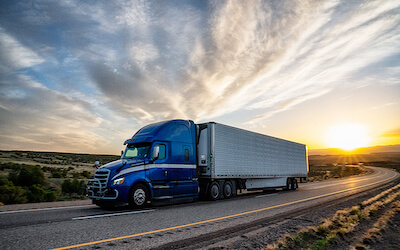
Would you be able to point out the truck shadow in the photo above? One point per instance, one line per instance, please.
(176, 204)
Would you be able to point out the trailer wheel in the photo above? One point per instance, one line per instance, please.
(227, 189)
(289, 184)
(294, 184)
(213, 191)
(139, 196)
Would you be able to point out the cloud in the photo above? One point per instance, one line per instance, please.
(35, 117)
(392, 133)
(15, 55)
(260, 56)
(143, 61)
(152, 63)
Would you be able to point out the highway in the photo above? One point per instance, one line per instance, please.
(85, 227)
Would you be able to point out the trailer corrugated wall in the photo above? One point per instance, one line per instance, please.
(238, 153)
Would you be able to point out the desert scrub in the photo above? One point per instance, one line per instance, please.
(342, 223)
(377, 197)
(378, 227)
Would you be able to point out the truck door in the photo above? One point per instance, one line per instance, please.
(184, 175)
(159, 175)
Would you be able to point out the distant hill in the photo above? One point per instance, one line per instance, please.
(367, 150)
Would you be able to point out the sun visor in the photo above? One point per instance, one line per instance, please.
(139, 139)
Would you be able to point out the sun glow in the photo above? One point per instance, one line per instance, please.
(347, 136)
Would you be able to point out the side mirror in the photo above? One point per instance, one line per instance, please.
(156, 152)
(96, 164)
(122, 153)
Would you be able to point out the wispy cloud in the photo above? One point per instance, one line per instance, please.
(32, 115)
(392, 133)
(144, 61)
(15, 55)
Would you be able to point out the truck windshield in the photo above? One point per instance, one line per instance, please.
(139, 151)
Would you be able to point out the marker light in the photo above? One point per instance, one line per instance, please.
(119, 181)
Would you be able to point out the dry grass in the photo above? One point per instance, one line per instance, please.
(379, 225)
(342, 223)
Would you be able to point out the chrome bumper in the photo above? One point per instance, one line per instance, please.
(94, 190)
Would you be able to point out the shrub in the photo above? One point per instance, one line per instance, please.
(354, 211)
(36, 193)
(26, 184)
(4, 181)
(10, 194)
(10, 165)
(59, 172)
(74, 187)
(322, 231)
(86, 174)
(29, 176)
(50, 195)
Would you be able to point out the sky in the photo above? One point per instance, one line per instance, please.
(84, 76)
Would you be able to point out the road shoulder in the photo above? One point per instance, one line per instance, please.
(41, 205)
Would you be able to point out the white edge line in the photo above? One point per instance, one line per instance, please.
(115, 214)
(44, 209)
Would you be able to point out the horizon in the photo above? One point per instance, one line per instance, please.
(395, 148)
(84, 77)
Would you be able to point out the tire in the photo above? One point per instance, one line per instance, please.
(294, 184)
(139, 196)
(227, 189)
(213, 191)
(289, 184)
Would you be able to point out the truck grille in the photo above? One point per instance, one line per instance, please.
(101, 177)
(97, 187)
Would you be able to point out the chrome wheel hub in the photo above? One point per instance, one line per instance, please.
(139, 197)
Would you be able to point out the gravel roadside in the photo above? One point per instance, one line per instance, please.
(268, 231)
(266, 234)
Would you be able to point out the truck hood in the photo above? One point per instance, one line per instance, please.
(117, 166)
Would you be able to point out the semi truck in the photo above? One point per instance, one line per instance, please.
(178, 160)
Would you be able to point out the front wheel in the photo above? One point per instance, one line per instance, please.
(139, 196)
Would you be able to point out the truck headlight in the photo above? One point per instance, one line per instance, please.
(119, 181)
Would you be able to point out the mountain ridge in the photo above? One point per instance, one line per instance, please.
(364, 150)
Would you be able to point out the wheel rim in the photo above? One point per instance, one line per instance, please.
(289, 184)
(214, 191)
(227, 190)
(139, 196)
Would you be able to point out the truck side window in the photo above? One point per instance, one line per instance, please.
(161, 156)
(186, 154)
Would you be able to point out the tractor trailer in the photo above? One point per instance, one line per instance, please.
(179, 160)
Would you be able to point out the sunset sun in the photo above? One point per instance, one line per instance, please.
(347, 136)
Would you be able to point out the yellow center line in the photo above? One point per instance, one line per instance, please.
(217, 219)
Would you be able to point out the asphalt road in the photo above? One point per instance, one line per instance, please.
(88, 227)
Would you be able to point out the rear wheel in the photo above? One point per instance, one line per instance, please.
(289, 184)
(213, 191)
(139, 196)
(227, 189)
(294, 184)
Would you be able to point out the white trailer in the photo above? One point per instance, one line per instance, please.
(231, 158)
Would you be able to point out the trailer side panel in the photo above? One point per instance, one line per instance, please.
(239, 153)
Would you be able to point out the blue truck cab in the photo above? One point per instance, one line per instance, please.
(158, 164)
